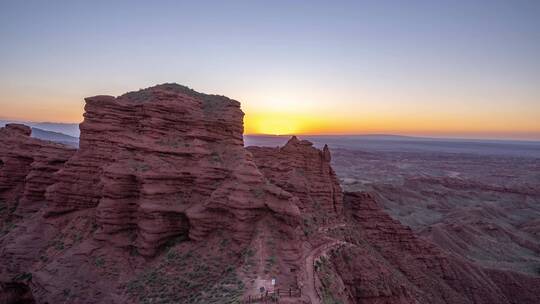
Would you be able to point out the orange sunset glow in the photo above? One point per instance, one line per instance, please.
(352, 74)
(467, 122)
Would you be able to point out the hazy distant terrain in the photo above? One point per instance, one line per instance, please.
(70, 129)
(56, 132)
(478, 199)
(55, 136)
(394, 143)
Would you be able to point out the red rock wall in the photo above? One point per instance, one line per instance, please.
(162, 162)
(28, 166)
(305, 172)
(158, 165)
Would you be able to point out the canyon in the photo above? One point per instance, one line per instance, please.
(162, 203)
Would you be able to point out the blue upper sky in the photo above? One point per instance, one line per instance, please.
(449, 68)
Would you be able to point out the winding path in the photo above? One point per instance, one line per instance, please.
(310, 288)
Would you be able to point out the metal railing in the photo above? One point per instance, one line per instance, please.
(274, 296)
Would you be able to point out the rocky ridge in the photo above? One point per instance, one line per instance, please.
(303, 171)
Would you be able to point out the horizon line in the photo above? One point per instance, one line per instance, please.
(428, 137)
(396, 134)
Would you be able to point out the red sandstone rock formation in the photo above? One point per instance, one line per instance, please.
(386, 263)
(27, 167)
(162, 203)
(163, 162)
(154, 166)
(303, 171)
(367, 257)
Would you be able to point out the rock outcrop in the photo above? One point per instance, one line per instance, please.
(155, 167)
(164, 162)
(387, 263)
(304, 171)
(27, 167)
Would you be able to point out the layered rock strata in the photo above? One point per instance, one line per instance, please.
(165, 162)
(386, 263)
(304, 171)
(27, 167)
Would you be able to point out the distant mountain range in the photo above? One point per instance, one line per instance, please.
(71, 129)
(55, 136)
(57, 132)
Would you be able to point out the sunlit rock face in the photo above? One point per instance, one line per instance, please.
(304, 171)
(163, 162)
(160, 166)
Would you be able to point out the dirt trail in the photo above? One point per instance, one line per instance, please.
(260, 255)
(309, 288)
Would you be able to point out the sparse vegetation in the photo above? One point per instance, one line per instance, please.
(94, 227)
(308, 226)
(99, 262)
(223, 244)
(6, 214)
(59, 245)
(346, 257)
(185, 277)
(25, 276)
(8, 226)
(66, 292)
(173, 142)
(140, 167)
(69, 295)
(133, 251)
(300, 171)
(327, 279)
(271, 261)
(77, 237)
(175, 241)
(215, 157)
(257, 192)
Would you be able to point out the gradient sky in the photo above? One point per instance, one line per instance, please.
(437, 68)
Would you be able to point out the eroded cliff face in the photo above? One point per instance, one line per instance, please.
(161, 167)
(303, 171)
(384, 262)
(165, 162)
(27, 167)
(354, 252)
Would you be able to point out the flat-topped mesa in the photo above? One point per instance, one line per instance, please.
(148, 120)
(304, 171)
(165, 161)
(27, 167)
